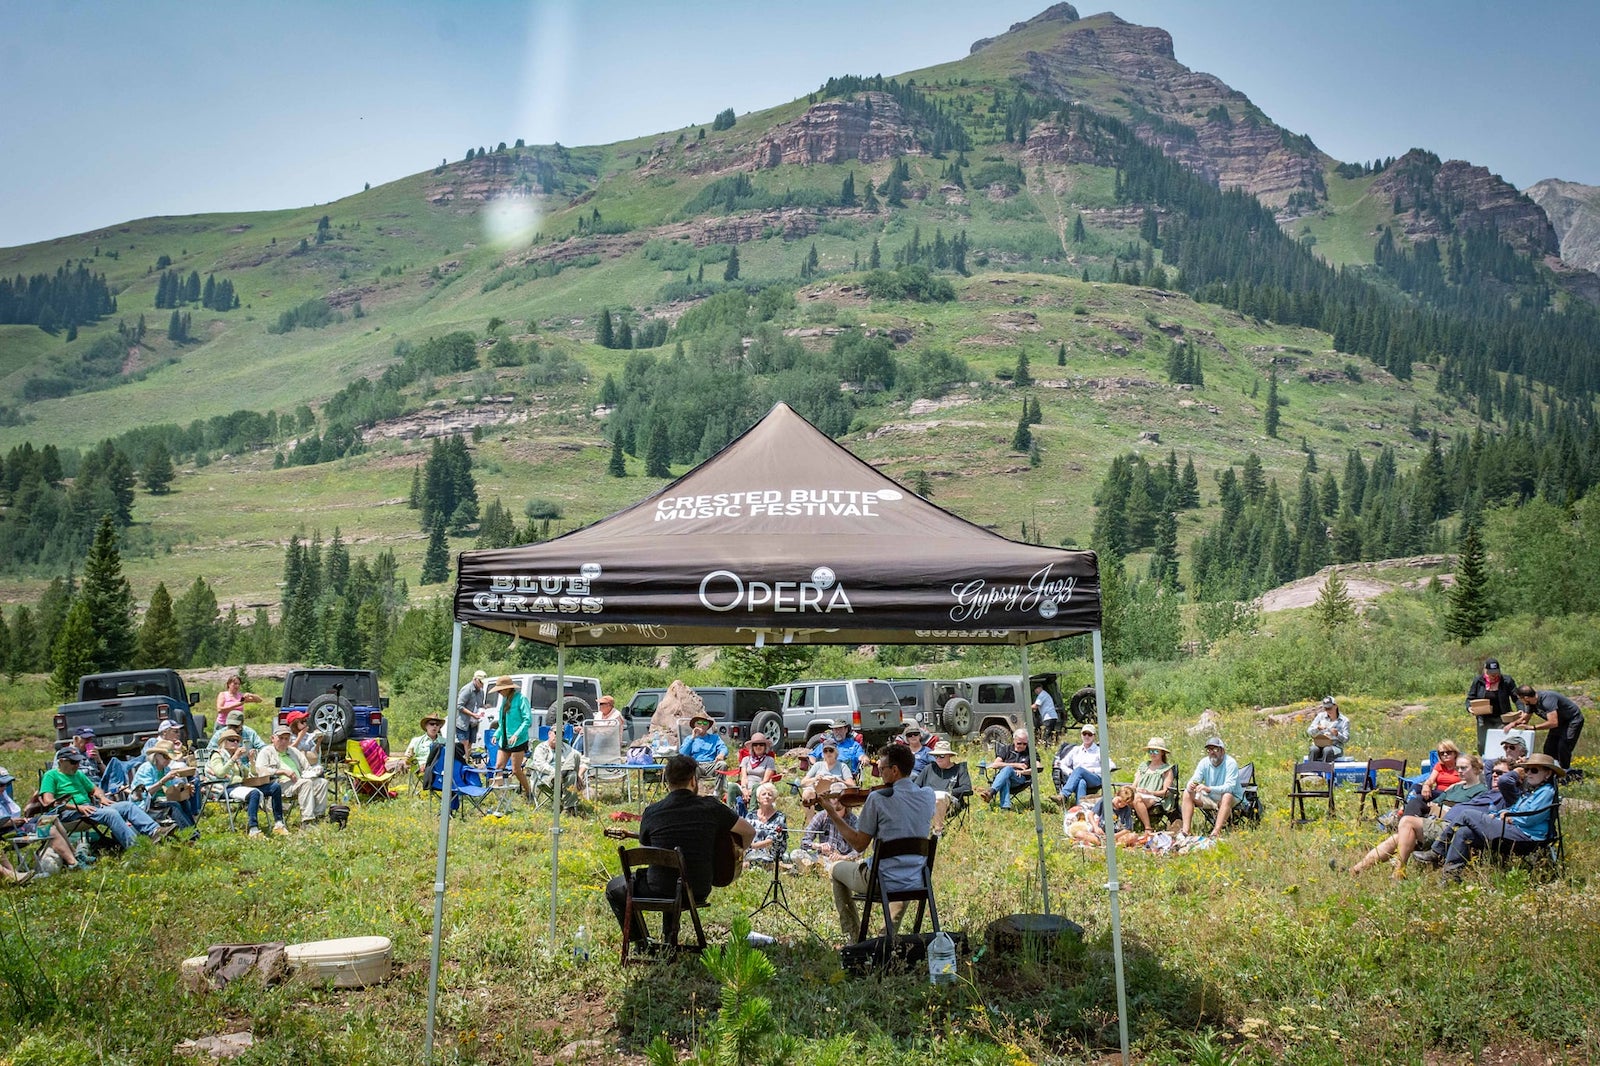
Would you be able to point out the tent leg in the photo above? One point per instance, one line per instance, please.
(1040, 777)
(444, 836)
(555, 825)
(1112, 885)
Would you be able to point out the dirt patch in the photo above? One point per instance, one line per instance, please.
(1362, 582)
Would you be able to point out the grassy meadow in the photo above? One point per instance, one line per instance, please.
(1262, 950)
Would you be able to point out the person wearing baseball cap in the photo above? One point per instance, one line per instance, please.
(1329, 732)
(1080, 767)
(850, 750)
(829, 767)
(470, 703)
(1526, 820)
(1562, 717)
(950, 781)
(1214, 786)
(919, 748)
(281, 762)
(66, 785)
(249, 740)
(1499, 690)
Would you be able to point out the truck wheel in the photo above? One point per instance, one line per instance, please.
(573, 712)
(956, 717)
(1082, 706)
(334, 717)
(996, 735)
(770, 724)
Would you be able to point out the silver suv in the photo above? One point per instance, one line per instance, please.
(869, 705)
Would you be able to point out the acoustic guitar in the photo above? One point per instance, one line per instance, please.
(727, 854)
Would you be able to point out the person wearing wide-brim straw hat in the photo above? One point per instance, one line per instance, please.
(511, 733)
(416, 753)
(1155, 783)
(1528, 819)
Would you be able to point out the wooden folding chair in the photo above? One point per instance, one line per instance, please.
(1300, 790)
(638, 861)
(1385, 777)
(877, 892)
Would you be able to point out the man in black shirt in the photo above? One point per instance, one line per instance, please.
(687, 821)
(1562, 717)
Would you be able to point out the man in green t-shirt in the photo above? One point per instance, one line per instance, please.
(68, 790)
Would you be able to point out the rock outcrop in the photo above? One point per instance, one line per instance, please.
(1574, 213)
(867, 127)
(1130, 71)
(1434, 199)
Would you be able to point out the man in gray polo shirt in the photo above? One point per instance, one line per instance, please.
(470, 702)
(899, 810)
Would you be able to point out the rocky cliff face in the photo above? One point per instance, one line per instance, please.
(1574, 213)
(1130, 71)
(867, 128)
(1432, 199)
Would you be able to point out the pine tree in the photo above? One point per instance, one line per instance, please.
(158, 471)
(24, 644)
(1164, 558)
(1079, 234)
(874, 258)
(617, 467)
(1023, 376)
(731, 271)
(922, 484)
(415, 499)
(603, 335)
(436, 561)
(109, 598)
(869, 199)
(1022, 440)
(158, 636)
(74, 652)
(1334, 608)
(1272, 403)
(847, 194)
(1469, 613)
(195, 613)
(5, 644)
(658, 456)
(1035, 415)
(1061, 354)
(1189, 486)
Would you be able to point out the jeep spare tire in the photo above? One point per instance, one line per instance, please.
(574, 711)
(770, 725)
(1082, 706)
(334, 717)
(956, 717)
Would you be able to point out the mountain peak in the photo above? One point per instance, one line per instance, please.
(1054, 13)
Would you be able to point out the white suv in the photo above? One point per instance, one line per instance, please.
(870, 706)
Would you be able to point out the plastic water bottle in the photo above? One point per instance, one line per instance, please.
(580, 944)
(941, 959)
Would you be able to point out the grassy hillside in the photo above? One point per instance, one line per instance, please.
(433, 253)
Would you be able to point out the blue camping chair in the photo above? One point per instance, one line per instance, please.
(464, 784)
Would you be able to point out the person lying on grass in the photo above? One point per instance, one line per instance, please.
(1420, 830)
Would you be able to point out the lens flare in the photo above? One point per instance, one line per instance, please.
(510, 218)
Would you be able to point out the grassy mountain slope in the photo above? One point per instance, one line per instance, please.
(422, 257)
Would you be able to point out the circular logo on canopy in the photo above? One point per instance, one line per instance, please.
(823, 577)
(890, 494)
(589, 571)
(1047, 610)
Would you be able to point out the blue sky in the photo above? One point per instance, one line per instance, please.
(118, 111)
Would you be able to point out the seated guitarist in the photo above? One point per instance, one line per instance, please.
(902, 809)
(682, 819)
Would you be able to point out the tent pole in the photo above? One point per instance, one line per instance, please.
(1039, 778)
(443, 847)
(555, 826)
(1111, 840)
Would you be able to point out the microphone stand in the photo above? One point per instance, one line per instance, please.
(775, 896)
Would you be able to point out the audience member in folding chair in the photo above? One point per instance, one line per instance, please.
(896, 812)
(231, 769)
(1525, 825)
(1155, 785)
(951, 784)
(152, 782)
(66, 791)
(1213, 786)
(542, 771)
(20, 840)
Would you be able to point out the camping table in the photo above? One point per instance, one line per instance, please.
(633, 773)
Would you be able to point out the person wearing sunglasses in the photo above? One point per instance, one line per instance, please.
(1525, 819)
(1155, 783)
(756, 768)
(1422, 828)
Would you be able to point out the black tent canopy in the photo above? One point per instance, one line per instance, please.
(782, 536)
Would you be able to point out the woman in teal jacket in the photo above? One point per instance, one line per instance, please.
(511, 733)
